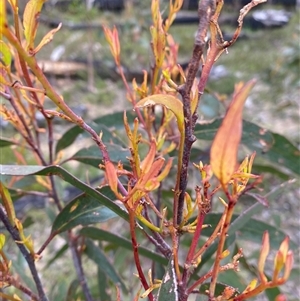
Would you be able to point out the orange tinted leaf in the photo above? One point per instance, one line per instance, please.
(148, 161)
(30, 20)
(169, 101)
(111, 175)
(165, 171)
(223, 154)
(3, 74)
(2, 14)
(265, 249)
(47, 39)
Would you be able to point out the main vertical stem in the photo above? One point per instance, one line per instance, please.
(205, 11)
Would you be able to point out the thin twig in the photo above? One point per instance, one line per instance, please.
(28, 257)
(78, 267)
(136, 253)
(73, 247)
(12, 281)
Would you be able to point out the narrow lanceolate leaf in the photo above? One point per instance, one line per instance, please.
(47, 39)
(169, 101)
(83, 210)
(7, 203)
(6, 142)
(30, 21)
(100, 259)
(223, 154)
(5, 55)
(119, 241)
(26, 170)
(168, 290)
(2, 240)
(2, 15)
(92, 155)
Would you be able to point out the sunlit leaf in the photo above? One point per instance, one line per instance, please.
(83, 210)
(7, 203)
(2, 15)
(5, 55)
(168, 290)
(169, 101)
(2, 240)
(30, 20)
(47, 39)
(223, 154)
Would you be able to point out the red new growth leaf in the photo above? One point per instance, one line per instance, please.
(223, 154)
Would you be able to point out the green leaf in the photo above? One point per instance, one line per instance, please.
(259, 169)
(233, 279)
(72, 290)
(96, 255)
(248, 228)
(106, 124)
(6, 142)
(102, 285)
(5, 55)
(108, 136)
(102, 235)
(168, 290)
(68, 138)
(83, 210)
(92, 155)
(283, 154)
(18, 170)
(252, 133)
(272, 147)
(115, 120)
(57, 255)
(239, 221)
(272, 293)
(253, 231)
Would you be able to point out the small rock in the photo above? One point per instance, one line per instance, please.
(218, 72)
(269, 18)
(57, 53)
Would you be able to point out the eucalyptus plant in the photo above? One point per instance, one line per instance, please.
(145, 158)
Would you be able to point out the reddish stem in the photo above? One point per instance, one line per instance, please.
(136, 253)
